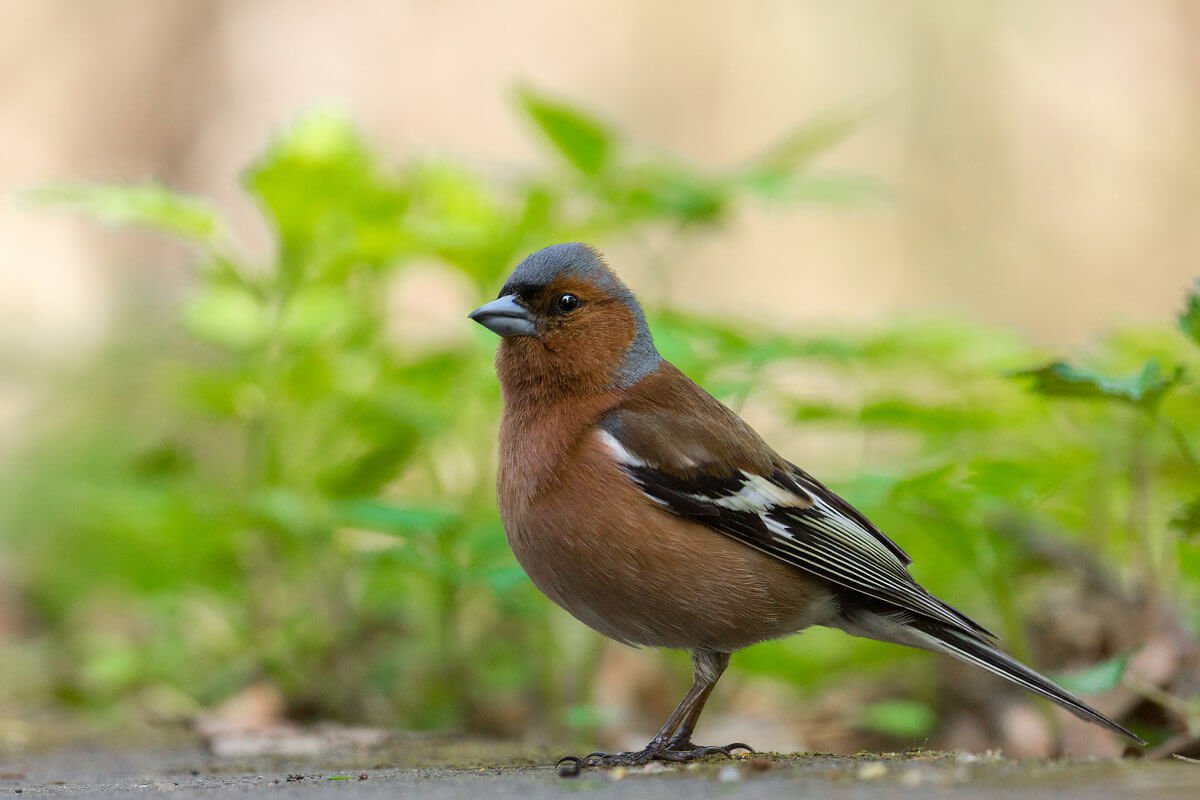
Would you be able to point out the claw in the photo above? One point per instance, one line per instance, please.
(677, 752)
(687, 747)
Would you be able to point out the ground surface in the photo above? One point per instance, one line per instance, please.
(441, 769)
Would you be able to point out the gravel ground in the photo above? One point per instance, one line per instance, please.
(501, 772)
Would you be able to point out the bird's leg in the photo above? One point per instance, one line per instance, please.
(673, 742)
(707, 669)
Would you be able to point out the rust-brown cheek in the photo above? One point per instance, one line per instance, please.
(574, 355)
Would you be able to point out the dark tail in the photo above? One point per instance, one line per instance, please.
(903, 628)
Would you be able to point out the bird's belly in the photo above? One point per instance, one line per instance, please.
(628, 569)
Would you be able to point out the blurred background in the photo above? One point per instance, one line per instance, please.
(940, 253)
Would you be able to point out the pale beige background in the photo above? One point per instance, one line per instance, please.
(1043, 153)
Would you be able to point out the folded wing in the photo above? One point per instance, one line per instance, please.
(714, 469)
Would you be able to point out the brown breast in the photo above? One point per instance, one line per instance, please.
(598, 547)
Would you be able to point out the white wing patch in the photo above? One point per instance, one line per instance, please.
(776, 527)
(757, 495)
(619, 450)
(793, 518)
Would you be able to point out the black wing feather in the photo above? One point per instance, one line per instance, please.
(829, 538)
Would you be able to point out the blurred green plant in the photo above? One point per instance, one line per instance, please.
(274, 485)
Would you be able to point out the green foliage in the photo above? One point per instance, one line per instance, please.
(1099, 678)
(1189, 318)
(1187, 520)
(904, 719)
(146, 205)
(582, 140)
(279, 485)
(1144, 389)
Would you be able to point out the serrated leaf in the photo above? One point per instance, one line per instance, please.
(903, 718)
(582, 139)
(1189, 318)
(1097, 678)
(148, 205)
(1144, 389)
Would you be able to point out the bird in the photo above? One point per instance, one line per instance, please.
(654, 514)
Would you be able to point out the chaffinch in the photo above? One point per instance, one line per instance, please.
(655, 515)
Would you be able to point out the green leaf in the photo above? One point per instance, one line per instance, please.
(502, 580)
(826, 189)
(1097, 678)
(386, 518)
(316, 312)
(899, 412)
(148, 205)
(580, 717)
(1189, 318)
(582, 139)
(228, 316)
(673, 190)
(781, 175)
(289, 510)
(1187, 518)
(331, 205)
(1144, 389)
(805, 142)
(903, 718)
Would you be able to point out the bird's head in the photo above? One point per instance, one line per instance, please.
(568, 321)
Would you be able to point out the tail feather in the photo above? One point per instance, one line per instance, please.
(900, 627)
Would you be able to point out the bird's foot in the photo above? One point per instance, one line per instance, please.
(686, 751)
(675, 752)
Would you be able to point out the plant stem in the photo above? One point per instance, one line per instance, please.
(1141, 539)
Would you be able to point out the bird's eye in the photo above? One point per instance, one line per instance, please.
(566, 303)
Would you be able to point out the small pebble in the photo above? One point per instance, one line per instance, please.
(872, 771)
(729, 774)
(618, 773)
(568, 768)
(760, 764)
